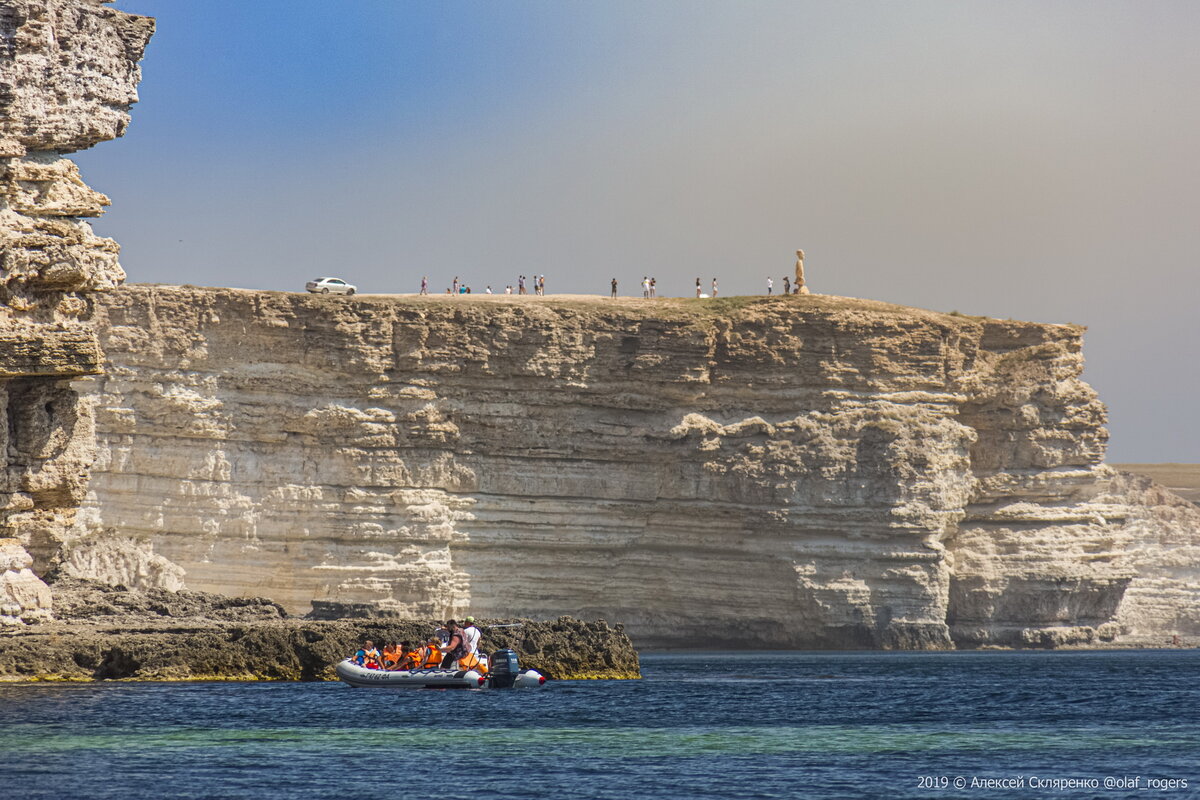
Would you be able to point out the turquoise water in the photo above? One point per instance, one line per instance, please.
(766, 725)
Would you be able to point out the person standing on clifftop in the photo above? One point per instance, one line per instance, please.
(714, 287)
(614, 287)
(770, 285)
(697, 288)
(787, 285)
(645, 288)
(520, 284)
(424, 284)
(455, 285)
(653, 287)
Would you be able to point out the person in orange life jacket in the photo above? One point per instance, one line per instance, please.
(398, 655)
(431, 654)
(473, 661)
(456, 647)
(390, 655)
(367, 656)
(412, 658)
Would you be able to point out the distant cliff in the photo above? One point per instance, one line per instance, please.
(785, 472)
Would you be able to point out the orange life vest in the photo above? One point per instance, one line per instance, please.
(433, 657)
(471, 661)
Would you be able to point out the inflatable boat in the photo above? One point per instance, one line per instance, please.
(358, 676)
(505, 674)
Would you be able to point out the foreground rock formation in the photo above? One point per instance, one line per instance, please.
(68, 74)
(105, 633)
(799, 472)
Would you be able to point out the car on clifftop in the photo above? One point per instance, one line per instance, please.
(327, 285)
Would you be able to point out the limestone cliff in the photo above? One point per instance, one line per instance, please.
(803, 472)
(68, 74)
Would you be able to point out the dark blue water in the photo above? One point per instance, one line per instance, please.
(777, 725)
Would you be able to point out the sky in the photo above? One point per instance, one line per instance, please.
(1030, 160)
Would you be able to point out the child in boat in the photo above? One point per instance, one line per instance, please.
(392, 655)
(431, 654)
(367, 656)
(411, 659)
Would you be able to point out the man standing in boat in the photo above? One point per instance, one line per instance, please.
(471, 636)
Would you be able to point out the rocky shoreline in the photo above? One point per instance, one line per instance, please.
(112, 633)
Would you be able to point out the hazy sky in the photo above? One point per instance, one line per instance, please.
(1035, 160)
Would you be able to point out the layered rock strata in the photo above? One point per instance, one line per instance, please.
(790, 472)
(68, 74)
(106, 633)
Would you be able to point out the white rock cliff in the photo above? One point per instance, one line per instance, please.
(68, 74)
(800, 472)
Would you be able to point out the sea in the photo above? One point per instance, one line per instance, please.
(1095, 724)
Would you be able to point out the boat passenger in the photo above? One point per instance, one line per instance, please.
(471, 636)
(456, 648)
(431, 654)
(474, 661)
(411, 659)
(367, 656)
(393, 654)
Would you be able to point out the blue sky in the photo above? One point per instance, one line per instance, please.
(1017, 159)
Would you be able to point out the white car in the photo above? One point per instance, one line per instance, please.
(327, 285)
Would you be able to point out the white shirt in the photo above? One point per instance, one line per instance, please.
(471, 638)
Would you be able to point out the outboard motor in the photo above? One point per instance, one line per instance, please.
(504, 669)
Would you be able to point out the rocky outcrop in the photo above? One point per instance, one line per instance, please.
(115, 633)
(68, 74)
(24, 597)
(791, 472)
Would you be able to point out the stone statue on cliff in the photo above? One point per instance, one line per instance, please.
(801, 286)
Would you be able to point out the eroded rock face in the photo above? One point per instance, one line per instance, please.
(68, 74)
(802, 472)
(24, 597)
